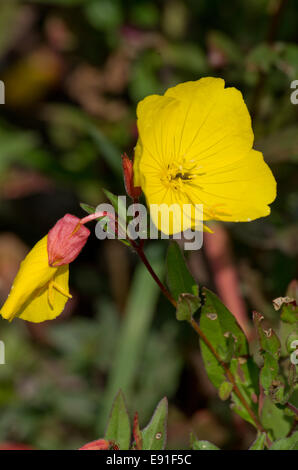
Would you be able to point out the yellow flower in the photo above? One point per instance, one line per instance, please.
(195, 147)
(39, 291)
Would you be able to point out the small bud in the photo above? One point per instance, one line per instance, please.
(133, 191)
(99, 444)
(66, 240)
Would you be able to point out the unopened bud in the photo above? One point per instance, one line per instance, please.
(66, 240)
(133, 191)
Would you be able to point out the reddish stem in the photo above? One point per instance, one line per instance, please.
(200, 333)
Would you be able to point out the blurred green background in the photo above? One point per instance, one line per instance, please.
(74, 71)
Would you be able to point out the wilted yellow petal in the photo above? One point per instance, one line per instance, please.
(28, 298)
(38, 308)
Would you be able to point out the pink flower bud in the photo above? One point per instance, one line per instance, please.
(66, 240)
(133, 191)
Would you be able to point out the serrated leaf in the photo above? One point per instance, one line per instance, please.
(155, 433)
(187, 305)
(179, 279)
(287, 443)
(118, 428)
(259, 443)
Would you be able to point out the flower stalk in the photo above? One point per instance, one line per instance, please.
(200, 333)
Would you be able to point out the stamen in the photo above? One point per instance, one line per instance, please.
(176, 175)
(53, 285)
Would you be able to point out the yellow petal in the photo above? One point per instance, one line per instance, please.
(237, 192)
(30, 294)
(34, 274)
(215, 121)
(195, 122)
(157, 124)
(136, 163)
(48, 302)
(195, 147)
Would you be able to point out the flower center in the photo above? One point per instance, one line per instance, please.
(175, 176)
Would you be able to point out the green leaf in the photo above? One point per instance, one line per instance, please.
(259, 443)
(283, 388)
(270, 347)
(80, 123)
(288, 443)
(269, 371)
(61, 2)
(187, 305)
(263, 57)
(289, 313)
(8, 17)
(145, 14)
(203, 445)
(274, 419)
(108, 150)
(16, 146)
(118, 428)
(225, 390)
(219, 326)
(246, 374)
(223, 44)
(288, 304)
(120, 209)
(223, 332)
(186, 56)
(117, 202)
(87, 208)
(291, 57)
(104, 15)
(179, 279)
(119, 205)
(292, 341)
(269, 342)
(155, 433)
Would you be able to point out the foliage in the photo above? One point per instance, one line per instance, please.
(74, 71)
